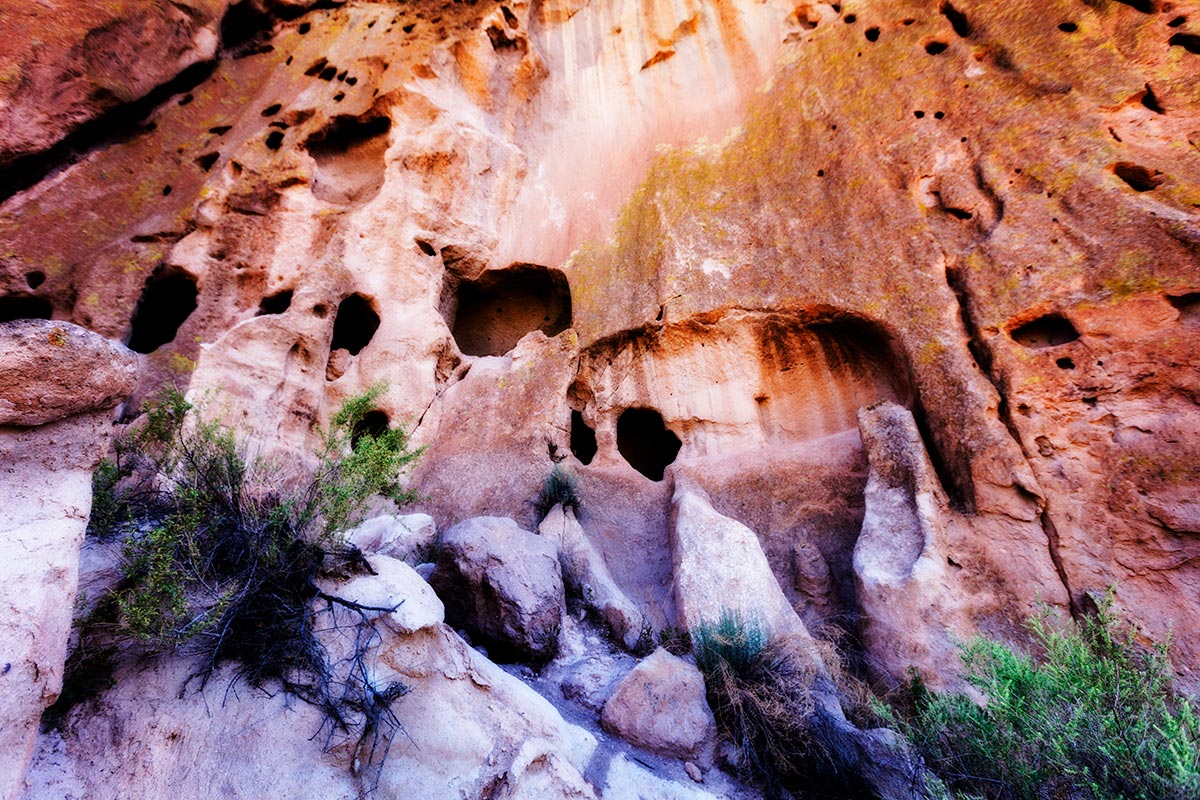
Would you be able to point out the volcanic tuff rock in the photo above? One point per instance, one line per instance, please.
(676, 247)
(58, 386)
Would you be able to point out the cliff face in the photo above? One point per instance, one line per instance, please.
(667, 242)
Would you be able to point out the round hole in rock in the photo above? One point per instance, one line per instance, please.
(24, 307)
(355, 324)
(644, 441)
(349, 159)
(1065, 363)
(276, 303)
(494, 311)
(583, 439)
(1050, 330)
(168, 299)
(374, 424)
(35, 278)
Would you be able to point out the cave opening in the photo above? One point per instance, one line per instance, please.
(18, 306)
(167, 300)
(276, 303)
(645, 442)
(355, 324)
(374, 424)
(1049, 330)
(494, 311)
(583, 439)
(349, 159)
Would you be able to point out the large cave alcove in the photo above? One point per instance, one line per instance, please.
(168, 299)
(493, 312)
(22, 306)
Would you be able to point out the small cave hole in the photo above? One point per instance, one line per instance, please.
(355, 324)
(939, 115)
(495, 310)
(1144, 6)
(644, 441)
(1065, 363)
(272, 110)
(166, 190)
(1139, 178)
(167, 300)
(935, 48)
(220, 130)
(1188, 41)
(244, 29)
(872, 34)
(328, 74)
(206, 161)
(919, 114)
(1188, 306)
(1050, 330)
(1150, 101)
(304, 28)
(1175, 23)
(276, 303)
(35, 278)
(583, 439)
(425, 247)
(320, 310)
(316, 68)
(24, 307)
(373, 424)
(1068, 27)
(349, 159)
(958, 20)
(274, 140)
(850, 19)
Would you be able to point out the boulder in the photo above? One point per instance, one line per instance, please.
(65, 380)
(661, 706)
(53, 370)
(585, 573)
(408, 537)
(395, 585)
(504, 585)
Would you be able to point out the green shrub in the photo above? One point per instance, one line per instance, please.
(1095, 718)
(762, 694)
(559, 488)
(224, 559)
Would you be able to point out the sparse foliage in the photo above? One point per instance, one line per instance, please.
(1094, 718)
(762, 694)
(223, 554)
(560, 488)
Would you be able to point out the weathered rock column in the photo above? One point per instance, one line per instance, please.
(58, 385)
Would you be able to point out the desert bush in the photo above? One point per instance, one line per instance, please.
(1095, 717)
(762, 694)
(559, 488)
(222, 556)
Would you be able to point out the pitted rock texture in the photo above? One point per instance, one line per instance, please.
(769, 215)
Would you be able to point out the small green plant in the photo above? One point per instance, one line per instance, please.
(222, 556)
(1094, 718)
(761, 693)
(560, 488)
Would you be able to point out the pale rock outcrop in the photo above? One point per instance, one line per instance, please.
(661, 706)
(585, 573)
(720, 569)
(503, 584)
(58, 385)
(408, 537)
(396, 586)
(911, 612)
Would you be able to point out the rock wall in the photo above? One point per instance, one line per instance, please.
(768, 215)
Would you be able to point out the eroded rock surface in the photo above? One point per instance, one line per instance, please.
(58, 386)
